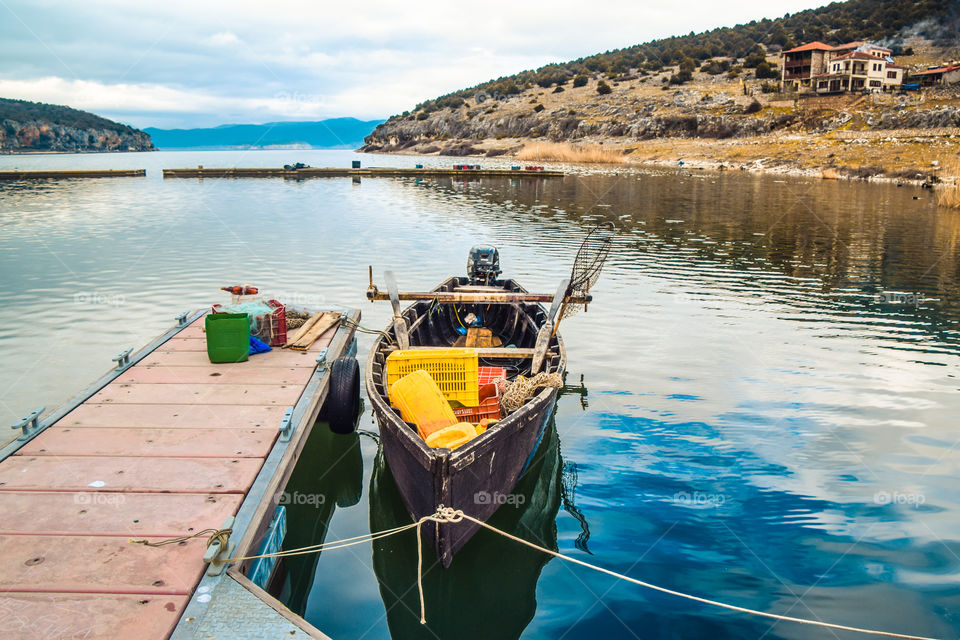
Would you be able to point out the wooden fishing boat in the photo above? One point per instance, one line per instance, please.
(510, 329)
(479, 476)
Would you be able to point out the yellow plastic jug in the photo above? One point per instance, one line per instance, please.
(421, 402)
(452, 437)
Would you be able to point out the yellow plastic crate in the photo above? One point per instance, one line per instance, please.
(454, 370)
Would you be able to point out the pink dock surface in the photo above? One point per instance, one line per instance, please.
(168, 448)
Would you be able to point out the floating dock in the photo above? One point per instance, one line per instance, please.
(81, 173)
(165, 445)
(372, 172)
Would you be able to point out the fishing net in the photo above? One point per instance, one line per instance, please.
(258, 311)
(589, 262)
(514, 394)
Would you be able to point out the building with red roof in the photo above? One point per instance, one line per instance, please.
(854, 66)
(944, 74)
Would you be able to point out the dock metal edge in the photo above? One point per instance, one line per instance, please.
(124, 361)
(213, 611)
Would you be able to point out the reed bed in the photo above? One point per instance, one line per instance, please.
(948, 193)
(566, 152)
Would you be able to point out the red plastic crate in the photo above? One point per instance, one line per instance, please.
(274, 331)
(486, 375)
(489, 397)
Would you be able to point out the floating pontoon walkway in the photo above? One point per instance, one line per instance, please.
(82, 173)
(165, 445)
(372, 172)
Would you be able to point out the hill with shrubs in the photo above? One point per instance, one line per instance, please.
(35, 126)
(721, 84)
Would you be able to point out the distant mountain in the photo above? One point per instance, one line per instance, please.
(35, 126)
(335, 133)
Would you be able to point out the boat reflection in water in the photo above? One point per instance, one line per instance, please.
(489, 590)
(309, 512)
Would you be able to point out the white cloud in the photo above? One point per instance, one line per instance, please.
(223, 38)
(251, 62)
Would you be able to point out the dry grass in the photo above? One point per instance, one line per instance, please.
(566, 152)
(948, 193)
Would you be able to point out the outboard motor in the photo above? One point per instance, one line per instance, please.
(483, 265)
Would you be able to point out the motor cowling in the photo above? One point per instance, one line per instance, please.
(483, 265)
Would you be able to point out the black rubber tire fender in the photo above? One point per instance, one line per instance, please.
(343, 396)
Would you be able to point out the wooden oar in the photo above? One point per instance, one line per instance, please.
(399, 323)
(546, 331)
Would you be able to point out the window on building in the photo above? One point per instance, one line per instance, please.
(875, 83)
(892, 74)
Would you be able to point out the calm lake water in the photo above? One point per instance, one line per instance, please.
(761, 405)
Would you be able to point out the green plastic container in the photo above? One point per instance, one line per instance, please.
(228, 337)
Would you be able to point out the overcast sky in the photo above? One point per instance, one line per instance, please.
(175, 63)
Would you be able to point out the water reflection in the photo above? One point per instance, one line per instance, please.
(329, 474)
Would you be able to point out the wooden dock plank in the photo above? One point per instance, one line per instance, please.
(85, 473)
(98, 564)
(173, 416)
(285, 358)
(71, 173)
(206, 395)
(151, 442)
(113, 514)
(199, 343)
(216, 374)
(63, 616)
(373, 172)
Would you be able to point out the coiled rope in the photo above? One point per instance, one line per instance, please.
(450, 515)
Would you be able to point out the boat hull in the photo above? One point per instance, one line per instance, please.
(479, 476)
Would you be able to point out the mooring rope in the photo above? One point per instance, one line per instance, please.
(450, 515)
(447, 514)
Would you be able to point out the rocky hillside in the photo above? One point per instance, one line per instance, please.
(715, 85)
(34, 126)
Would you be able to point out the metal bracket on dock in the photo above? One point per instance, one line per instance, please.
(123, 360)
(286, 425)
(30, 424)
(182, 318)
(322, 359)
(219, 551)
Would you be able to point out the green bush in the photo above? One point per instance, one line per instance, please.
(764, 70)
(579, 80)
(603, 88)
